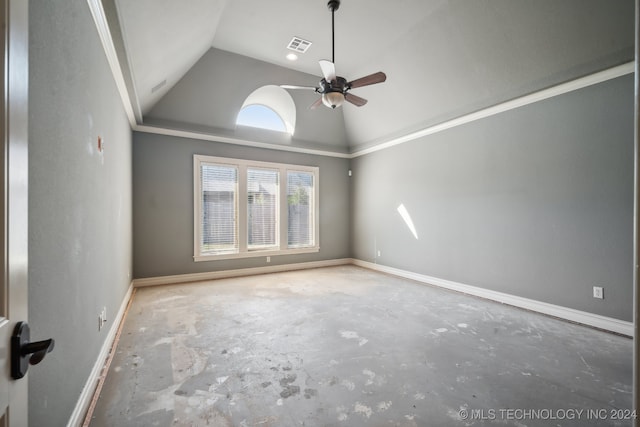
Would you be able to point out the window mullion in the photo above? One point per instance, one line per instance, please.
(242, 208)
(222, 231)
(316, 210)
(197, 210)
(283, 211)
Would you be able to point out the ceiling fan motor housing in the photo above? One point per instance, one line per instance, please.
(334, 90)
(338, 85)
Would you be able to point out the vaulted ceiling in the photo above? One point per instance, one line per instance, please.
(443, 58)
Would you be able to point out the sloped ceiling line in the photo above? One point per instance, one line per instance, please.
(104, 32)
(551, 92)
(164, 39)
(102, 26)
(558, 90)
(119, 44)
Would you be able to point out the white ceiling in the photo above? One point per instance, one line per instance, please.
(443, 58)
(164, 39)
(262, 30)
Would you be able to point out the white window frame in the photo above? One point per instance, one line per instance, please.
(242, 232)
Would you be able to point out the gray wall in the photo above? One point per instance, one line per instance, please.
(211, 94)
(79, 202)
(163, 204)
(535, 202)
(469, 55)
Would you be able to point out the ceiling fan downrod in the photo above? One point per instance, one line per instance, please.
(334, 89)
(333, 5)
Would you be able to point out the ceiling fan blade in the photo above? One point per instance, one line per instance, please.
(298, 87)
(355, 100)
(328, 70)
(316, 104)
(374, 78)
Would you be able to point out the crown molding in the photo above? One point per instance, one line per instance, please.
(159, 130)
(570, 86)
(102, 27)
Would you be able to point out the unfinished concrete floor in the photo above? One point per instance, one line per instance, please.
(345, 346)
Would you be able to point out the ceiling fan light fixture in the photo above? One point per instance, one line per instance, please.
(333, 99)
(334, 89)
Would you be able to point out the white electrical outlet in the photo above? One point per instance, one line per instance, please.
(268, 259)
(379, 253)
(598, 292)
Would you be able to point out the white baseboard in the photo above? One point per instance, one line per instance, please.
(196, 277)
(582, 317)
(77, 417)
(594, 320)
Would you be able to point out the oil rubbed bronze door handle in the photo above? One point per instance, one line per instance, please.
(25, 353)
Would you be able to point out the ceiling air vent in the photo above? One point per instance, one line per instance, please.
(299, 45)
(158, 86)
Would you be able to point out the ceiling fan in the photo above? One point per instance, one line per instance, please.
(333, 88)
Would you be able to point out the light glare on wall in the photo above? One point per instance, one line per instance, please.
(407, 220)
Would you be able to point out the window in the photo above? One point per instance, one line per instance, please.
(300, 205)
(262, 208)
(219, 208)
(262, 117)
(246, 209)
(269, 107)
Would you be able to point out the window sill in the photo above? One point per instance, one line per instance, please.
(255, 254)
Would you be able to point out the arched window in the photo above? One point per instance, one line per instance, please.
(269, 107)
(260, 116)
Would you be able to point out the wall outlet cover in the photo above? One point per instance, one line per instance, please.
(598, 292)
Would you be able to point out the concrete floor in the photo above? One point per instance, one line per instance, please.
(345, 346)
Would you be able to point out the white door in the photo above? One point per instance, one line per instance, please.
(13, 201)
